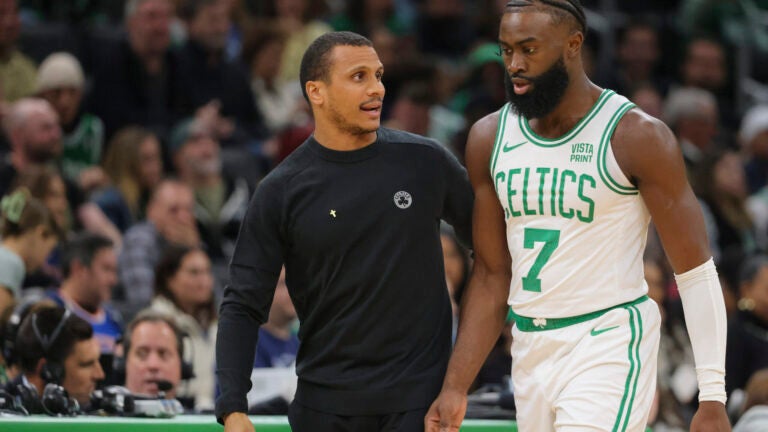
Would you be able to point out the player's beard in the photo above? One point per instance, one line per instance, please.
(344, 125)
(543, 96)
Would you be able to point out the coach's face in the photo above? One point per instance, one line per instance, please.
(352, 97)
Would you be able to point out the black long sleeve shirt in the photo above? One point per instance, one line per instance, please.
(358, 232)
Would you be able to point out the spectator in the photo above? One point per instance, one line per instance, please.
(135, 80)
(89, 267)
(280, 101)
(184, 290)
(747, 347)
(220, 199)
(170, 220)
(295, 18)
(638, 57)
(65, 202)
(54, 345)
(60, 81)
(154, 351)
(207, 76)
(32, 128)
(365, 15)
(722, 189)
(134, 165)
(17, 71)
(705, 66)
(691, 113)
(754, 415)
(753, 137)
(28, 234)
(278, 344)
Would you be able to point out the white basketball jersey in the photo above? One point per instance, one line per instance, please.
(576, 226)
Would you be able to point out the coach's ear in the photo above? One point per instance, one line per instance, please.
(315, 92)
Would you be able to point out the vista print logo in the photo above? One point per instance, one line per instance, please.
(403, 199)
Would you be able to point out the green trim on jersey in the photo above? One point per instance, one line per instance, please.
(527, 324)
(500, 128)
(546, 142)
(602, 153)
(633, 353)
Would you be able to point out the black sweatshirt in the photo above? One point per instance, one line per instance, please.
(358, 232)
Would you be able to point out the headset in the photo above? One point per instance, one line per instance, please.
(12, 329)
(55, 400)
(51, 372)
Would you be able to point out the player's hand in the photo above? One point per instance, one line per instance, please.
(446, 412)
(237, 422)
(710, 417)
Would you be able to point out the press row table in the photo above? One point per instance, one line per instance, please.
(183, 423)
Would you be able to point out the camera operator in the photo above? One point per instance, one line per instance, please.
(55, 346)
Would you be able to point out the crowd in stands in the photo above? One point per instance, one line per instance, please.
(134, 133)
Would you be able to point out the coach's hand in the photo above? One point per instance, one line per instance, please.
(710, 417)
(446, 412)
(237, 422)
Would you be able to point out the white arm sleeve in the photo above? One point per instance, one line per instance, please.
(705, 317)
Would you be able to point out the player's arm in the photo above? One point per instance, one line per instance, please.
(253, 272)
(484, 305)
(649, 155)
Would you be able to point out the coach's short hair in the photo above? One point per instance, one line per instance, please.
(316, 61)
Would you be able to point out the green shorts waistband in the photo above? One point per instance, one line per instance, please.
(540, 324)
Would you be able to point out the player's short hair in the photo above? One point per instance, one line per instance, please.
(316, 62)
(560, 10)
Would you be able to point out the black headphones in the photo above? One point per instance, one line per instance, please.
(51, 372)
(55, 400)
(187, 370)
(12, 330)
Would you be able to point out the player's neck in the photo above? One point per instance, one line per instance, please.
(578, 99)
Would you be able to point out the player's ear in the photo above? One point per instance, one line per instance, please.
(314, 92)
(574, 43)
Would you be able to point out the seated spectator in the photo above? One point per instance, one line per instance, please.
(89, 267)
(747, 347)
(60, 81)
(220, 200)
(28, 234)
(32, 128)
(281, 102)
(134, 79)
(134, 165)
(691, 113)
(47, 185)
(170, 220)
(754, 417)
(184, 290)
(278, 343)
(753, 137)
(206, 75)
(17, 71)
(295, 18)
(154, 353)
(35, 135)
(53, 345)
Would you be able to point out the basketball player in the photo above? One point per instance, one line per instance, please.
(354, 213)
(566, 178)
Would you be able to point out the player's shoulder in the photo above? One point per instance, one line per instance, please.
(288, 168)
(397, 138)
(640, 129)
(483, 132)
